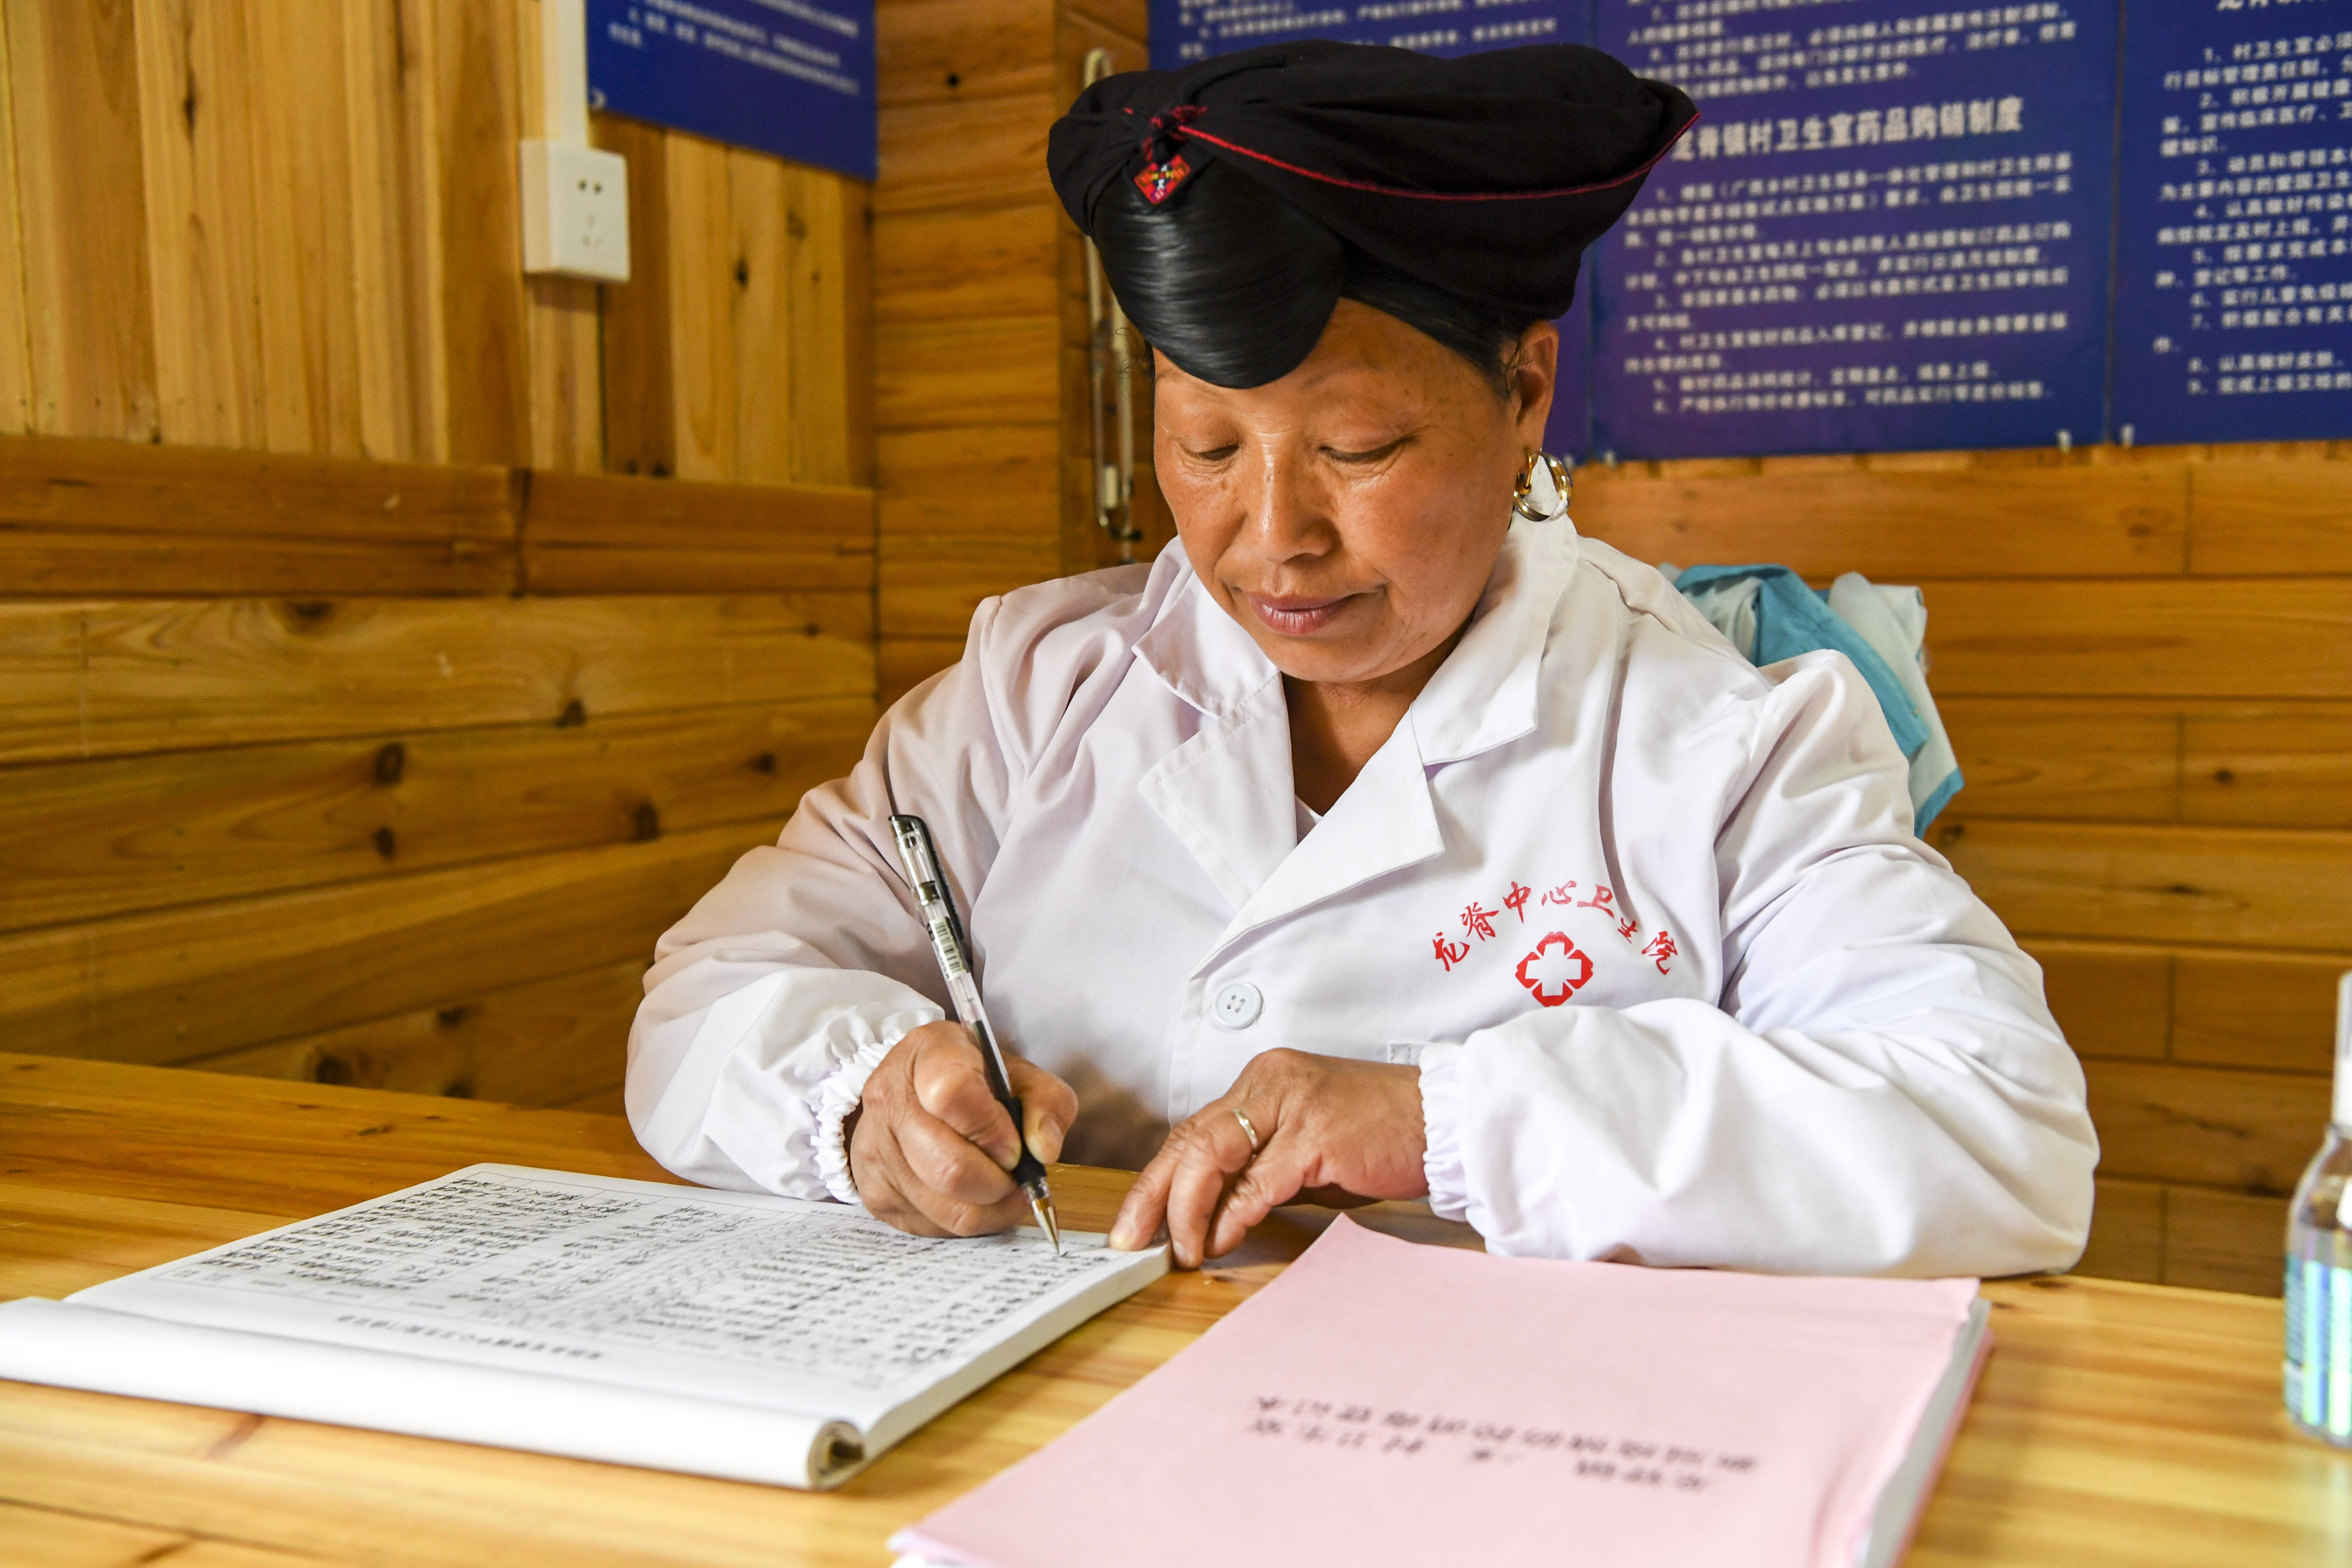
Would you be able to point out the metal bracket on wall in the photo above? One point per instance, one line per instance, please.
(1110, 377)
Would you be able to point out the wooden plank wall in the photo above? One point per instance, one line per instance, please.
(2145, 659)
(980, 315)
(361, 720)
(967, 392)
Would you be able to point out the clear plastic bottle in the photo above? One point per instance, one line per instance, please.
(2319, 1265)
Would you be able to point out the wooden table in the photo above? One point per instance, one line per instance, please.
(2116, 1424)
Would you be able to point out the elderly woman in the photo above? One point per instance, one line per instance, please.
(1383, 838)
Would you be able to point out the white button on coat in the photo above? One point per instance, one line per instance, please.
(1682, 986)
(1238, 1005)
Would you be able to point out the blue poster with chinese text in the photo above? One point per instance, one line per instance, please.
(1183, 31)
(1889, 230)
(2234, 274)
(794, 77)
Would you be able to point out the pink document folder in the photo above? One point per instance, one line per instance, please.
(1383, 1403)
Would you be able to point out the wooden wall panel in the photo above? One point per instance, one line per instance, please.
(2224, 1241)
(985, 481)
(2159, 884)
(702, 267)
(742, 348)
(2255, 764)
(73, 78)
(946, 374)
(194, 81)
(968, 381)
(179, 984)
(84, 517)
(15, 341)
(929, 587)
(830, 329)
(2270, 1011)
(561, 315)
(640, 418)
(2109, 520)
(2206, 1126)
(475, 121)
(545, 1042)
(2289, 765)
(397, 230)
(2106, 761)
(986, 262)
(567, 411)
(618, 536)
(365, 729)
(114, 678)
(2113, 999)
(2209, 1085)
(760, 340)
(2252, 637)
(947, 51)
(309, 307)
(971, 151)
(2127, 1232)
(82, 840)
(82, 563)
(2269, 515)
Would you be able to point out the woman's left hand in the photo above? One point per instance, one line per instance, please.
(1322, 1123)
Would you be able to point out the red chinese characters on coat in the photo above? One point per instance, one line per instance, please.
(1556, 969)
(1561, 969)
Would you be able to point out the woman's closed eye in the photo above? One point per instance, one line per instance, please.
(1366, 457)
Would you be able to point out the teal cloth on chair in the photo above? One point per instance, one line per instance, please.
(1791, 618)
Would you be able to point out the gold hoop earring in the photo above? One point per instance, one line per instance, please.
(1523, 494)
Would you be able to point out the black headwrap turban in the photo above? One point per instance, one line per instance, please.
(1236, 201)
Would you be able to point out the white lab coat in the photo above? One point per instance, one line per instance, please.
(1681, 985)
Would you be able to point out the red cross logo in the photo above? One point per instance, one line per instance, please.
(1554, 970)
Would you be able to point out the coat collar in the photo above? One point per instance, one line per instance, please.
(1484, 696)
(1227, 792)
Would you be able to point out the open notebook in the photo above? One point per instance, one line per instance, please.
(731, 1334)
(1384, 1403)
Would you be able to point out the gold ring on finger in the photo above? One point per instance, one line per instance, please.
(1247, 1130)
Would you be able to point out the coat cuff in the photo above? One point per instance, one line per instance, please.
(837, 1096)
(1441, 1120)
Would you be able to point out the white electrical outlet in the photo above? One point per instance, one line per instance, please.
(575, 212)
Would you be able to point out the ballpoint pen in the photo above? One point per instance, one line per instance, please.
(949, 946)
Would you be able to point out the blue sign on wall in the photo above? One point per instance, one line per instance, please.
(1183, 31)
(2234, 277)
(794, 77)
(1888, 230)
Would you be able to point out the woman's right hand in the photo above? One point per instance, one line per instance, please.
(930, 1148)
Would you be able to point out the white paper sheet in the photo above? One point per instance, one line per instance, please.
(811, 1310)
(117, 1352)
